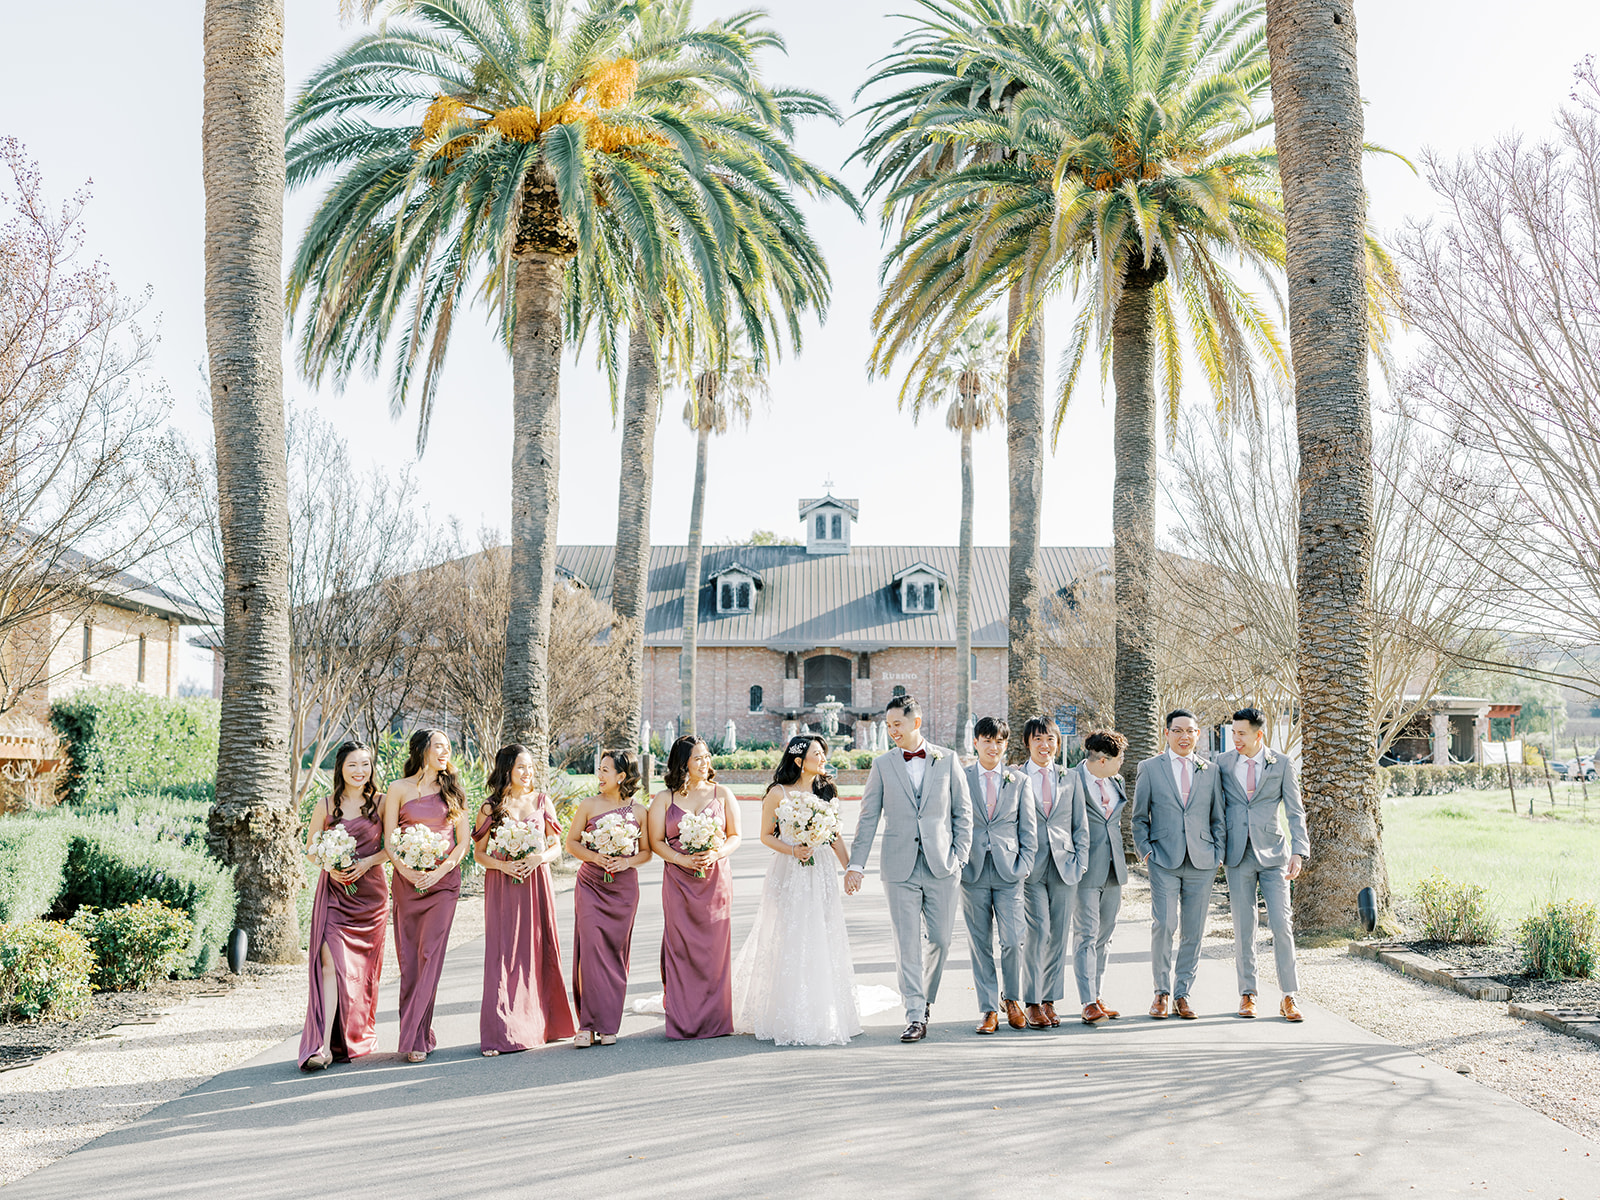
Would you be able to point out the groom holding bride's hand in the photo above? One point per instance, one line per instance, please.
(921, 790)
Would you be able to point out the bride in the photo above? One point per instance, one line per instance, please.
(792, 982)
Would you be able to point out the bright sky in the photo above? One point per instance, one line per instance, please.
(111, 91)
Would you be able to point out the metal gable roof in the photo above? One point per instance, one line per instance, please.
(841, 600)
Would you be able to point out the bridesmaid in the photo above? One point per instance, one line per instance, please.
(425, 901)
(524, 996)
(346, 946)
(697, 941)
(602, 913)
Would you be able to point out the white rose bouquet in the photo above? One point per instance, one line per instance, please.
(420, 848)
(334, 849)
(699, 832)
(513, 839)
(613, 834)
(807, 819)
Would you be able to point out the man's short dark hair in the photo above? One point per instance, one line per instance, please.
(906, 705)
(992, 727)
(1252, 717)
(1037, 726)
(1106, 742)
(1180, 712)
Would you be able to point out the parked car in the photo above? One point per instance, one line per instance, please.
(1565, 770)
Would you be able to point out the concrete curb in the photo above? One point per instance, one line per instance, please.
(1397, 956)
(1573, 1022)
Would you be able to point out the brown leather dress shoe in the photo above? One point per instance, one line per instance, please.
(1247, 1005)
(1107, 1009)
(1288, 1011)
(1036, 1018)
(915, 1032)
(1014, 1016)
(989, 1024)
(1181, 1007)
(1050, 1011)
(1092, 1012)
(1158, 1009)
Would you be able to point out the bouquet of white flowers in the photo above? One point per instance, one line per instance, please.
(420, 848)
(613, 834)
(698, 832)
(513, 839)
(806, 819)
(334, 850)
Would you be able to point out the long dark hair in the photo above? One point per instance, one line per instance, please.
(794, 755)
(678, 762)
(626, 764)
(499, 783)
(371, 798)
(455, 796)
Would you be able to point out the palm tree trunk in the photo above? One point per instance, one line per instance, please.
(691, 584)
(641, 402)
(253, 826)
(1316, 101)
(964, 593)
(1025, 462)
(1133, 524)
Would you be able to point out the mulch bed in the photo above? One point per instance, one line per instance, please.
(1503, 963)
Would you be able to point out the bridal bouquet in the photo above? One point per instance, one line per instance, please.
(334, 849)
(808, 820)
(420, 848)
(698, 832)
(513, 839)
(613, 834)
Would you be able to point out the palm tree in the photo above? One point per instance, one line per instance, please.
(973, 377)
(253, 825)
(1317, 105)
(541, 138)
(723, 391)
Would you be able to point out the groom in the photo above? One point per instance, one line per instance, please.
(923, 791)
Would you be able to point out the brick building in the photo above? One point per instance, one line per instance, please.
(782, 628)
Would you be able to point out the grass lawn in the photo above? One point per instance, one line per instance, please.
(1472, 837)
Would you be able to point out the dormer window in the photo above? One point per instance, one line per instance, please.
(736, 588)
(919, 589)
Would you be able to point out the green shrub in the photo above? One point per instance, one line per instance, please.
(108, 867)
(33, 858)
(134, 945)
(1439, 779)
(165, 818)
(1453, 912)
(44, 970)
(1559, 943)
(120, 741)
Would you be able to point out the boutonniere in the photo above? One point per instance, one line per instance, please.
(1202, 764)
(1011, 777)
(1271, 758)
(937, 756)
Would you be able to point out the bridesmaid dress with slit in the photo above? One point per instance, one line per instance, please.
(697, 942)
(352, 928)
(602, 940)
(524, 997)
(422, 930)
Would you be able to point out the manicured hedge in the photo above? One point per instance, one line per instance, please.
(120, 741)
(165, 818)
(33, 857)
(1440, 779)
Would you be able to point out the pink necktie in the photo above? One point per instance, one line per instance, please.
(994, 799)
(1188, 780)
(1105, 798)
(1250, 778)
(1044, 790)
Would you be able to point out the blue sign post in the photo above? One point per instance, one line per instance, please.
(1067, 720)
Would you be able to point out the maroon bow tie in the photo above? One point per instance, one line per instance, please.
(910, 754)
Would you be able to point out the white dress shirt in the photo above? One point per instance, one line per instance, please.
(917, 768)
(1241, 769)
(1177, 772)
(1035, 772)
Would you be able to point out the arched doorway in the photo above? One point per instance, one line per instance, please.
(827, 675)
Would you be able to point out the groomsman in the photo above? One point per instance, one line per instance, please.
(1255, 781)
(1100, 889)
(1004, 839)
(1053, 883)
(1178, 828)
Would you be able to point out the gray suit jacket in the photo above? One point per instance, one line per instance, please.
(1105, 833)
(940, 818)
(1255, 822)
(1164, 829)
(1064, 834)
(1011, 840)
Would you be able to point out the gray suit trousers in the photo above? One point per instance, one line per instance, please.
(1179, 898)
(1242, 883)
(922, 901)
(1093, 920)
(1048, 903)
(987, 903)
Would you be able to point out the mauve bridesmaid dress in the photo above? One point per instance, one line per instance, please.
(602, 939)
(352, 928)
(697, 942)
(524, 996)
(422, 930)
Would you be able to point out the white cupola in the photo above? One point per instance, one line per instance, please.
(827, 523)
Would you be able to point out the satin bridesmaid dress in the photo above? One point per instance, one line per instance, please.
(697, 942)
(422, 930)
(602, 940)
(353, 929)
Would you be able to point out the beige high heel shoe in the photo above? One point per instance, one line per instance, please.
(584, 1037)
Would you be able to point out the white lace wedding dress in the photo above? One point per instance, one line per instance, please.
(792, 981)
